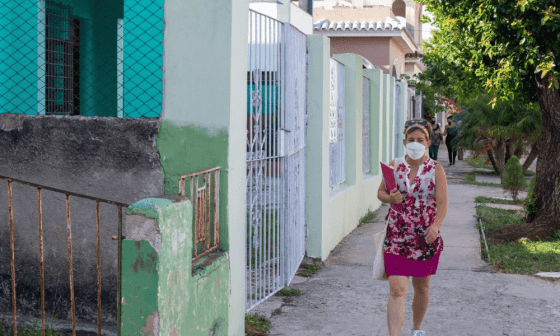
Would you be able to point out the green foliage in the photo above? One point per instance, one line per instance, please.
(509, 121)
(531, 200)
(502, 45)
(523, 256)
(367, 218)
(261, 324)
(28, 330)
(513, 179)
(479, 162)
(289, 292)
(310, 269)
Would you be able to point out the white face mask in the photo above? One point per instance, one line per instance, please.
(415, 150)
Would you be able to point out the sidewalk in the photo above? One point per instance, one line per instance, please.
(465, 298)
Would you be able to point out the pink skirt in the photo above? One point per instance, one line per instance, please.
(399, 265)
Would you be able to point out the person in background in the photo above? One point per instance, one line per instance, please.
(436, 139)
(450, 134)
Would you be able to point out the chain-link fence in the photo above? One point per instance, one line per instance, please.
(81, 57)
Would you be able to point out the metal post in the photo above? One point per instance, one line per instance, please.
(12, 256)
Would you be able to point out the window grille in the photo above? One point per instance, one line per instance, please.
(337, 157)
(92, 58)
(62, 61)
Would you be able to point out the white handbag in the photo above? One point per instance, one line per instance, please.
(378, 261)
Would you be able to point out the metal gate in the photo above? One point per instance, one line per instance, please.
(276, 128)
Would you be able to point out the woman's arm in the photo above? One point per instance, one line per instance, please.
(445, 132)
(441, 196)
(382, 194)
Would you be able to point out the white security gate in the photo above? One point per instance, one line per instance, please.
(276, 128)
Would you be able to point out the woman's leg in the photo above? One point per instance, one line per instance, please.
(449, 150)
(420, 301)
(436, 149)
(454, 155)
(431, 152)
(395, 308)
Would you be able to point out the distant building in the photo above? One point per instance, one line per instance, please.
(387, 33)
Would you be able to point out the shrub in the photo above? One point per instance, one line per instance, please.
(531, 201)
(513, 179)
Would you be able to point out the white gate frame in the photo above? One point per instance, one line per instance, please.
(277, 116)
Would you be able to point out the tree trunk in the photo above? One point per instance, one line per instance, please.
(499, 151)
(519, 150)
(508, 153)
(547, 184)
(492, 160)
(531, 157)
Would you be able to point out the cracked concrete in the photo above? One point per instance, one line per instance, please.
(465, 298)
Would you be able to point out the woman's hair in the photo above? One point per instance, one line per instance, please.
(424, 129)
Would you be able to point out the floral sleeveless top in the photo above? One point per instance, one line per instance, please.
(406, 232)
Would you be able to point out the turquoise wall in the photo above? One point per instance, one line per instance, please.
(18, 50)
(22, 51)
(143, 58)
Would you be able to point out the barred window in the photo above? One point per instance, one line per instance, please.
(62, 61)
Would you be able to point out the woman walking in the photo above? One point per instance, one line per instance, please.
(436, 139)
(451, 132)
(413, 243)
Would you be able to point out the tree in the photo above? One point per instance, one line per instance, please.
(513, 179)
(509, 46)
(505, 128)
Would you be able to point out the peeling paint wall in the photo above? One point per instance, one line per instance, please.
(160, 294)
(110, 158)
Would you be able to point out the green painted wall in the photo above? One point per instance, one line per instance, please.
(204, 119)
(140, 279)
(317, 154)
(160, 288)
(331, 217)
(376, 120)
(188, 149)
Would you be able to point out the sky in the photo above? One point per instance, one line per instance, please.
(427, 28)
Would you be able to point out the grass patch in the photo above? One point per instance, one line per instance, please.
(289, 292)
(256, 325)
(367, 218)
(521, 257)
(484, 199)
(470, 178)
(309, 269)
(479, 162)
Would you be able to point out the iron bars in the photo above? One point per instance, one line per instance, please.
(205, 197)
(119, 238)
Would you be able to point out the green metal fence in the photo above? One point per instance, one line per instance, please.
(81, 57)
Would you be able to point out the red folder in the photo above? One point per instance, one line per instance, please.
(390, 183)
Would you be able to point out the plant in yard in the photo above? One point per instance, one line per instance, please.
(256, 325)
(513, 179)
(509, 49)
(530, 203)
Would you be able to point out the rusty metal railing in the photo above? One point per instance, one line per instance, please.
(205, 211)
(119, 238)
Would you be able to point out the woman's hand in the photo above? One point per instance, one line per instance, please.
(432, 233)
(395, 196)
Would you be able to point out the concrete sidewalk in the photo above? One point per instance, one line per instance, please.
(465, 298)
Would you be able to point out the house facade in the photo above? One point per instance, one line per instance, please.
(386, 33)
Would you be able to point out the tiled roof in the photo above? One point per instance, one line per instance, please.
(389, 24)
